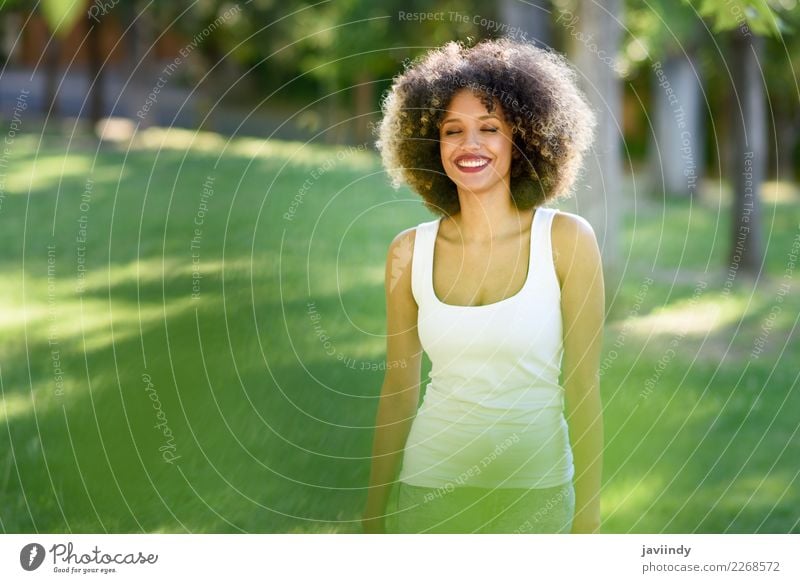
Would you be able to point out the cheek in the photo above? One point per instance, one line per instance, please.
(444, 151)
(505, 146)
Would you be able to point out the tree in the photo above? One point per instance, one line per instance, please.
(359, 46)
(60, 16)
(532, 18)
(667, 37)
(781, 64)
(745, 23)
(595, 35)
(96, 71)
(139, 20)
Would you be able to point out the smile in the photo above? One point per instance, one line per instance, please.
(472, 164)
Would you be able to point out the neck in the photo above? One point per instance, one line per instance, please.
(487, 216)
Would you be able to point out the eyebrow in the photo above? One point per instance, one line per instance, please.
(449, 119)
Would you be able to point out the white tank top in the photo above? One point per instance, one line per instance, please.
(492, 414)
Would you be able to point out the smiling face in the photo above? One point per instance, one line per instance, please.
(475, 145)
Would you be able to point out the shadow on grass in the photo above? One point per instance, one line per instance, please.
(262, 446)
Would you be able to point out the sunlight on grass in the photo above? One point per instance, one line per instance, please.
(47, 171)
(14, 405)
(715, 192)
(776, 192)
(154, 270)
(93, 322)
(322, 528)
(41, 396)
(157, 138)
(115, 129)
(630, 499)
(73, 319)
(126, 319)
(351, 278)
(700, 318)
(12, 317)
(145, 272)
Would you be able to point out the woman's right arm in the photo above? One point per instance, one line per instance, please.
(399, 396)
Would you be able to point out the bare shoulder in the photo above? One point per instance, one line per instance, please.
(571, 225)
(574, 244)
(404, 240)
(398, 261)
(401, 250)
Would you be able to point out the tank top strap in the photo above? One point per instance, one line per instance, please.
(422, 261)
(542, 246)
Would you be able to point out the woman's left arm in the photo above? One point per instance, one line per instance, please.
(580, 272)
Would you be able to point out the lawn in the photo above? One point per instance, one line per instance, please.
(193, 339)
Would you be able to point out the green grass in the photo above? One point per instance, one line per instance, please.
(272, 423)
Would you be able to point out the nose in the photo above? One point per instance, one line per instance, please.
(471, 140)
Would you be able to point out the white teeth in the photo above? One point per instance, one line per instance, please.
(473, 163)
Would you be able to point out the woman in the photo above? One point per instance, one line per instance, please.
(502, 293)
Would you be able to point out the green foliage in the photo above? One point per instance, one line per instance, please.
(329, 45)
(351, 37)
(658, 28)
(759, 16)
(61, 15)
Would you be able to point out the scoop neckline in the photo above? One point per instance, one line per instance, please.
(493, 304)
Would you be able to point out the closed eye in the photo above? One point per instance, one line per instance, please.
(451, 132)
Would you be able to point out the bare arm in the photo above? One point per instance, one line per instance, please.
(400, 391)
(579, 265)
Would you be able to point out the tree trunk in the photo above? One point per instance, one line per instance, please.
(599, 196)
(96, 73)
(142, 109)
(528, 21)
(746, 169)
(787, 131)
(335, 132)
(365, 106)
(51, 59)
(676, 149)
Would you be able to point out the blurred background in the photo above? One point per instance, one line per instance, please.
(194, 232)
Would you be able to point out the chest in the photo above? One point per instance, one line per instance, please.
(478, 275)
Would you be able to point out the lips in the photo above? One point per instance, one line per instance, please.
(471, 163)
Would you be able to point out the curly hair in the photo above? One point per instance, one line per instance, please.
(536, 90)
